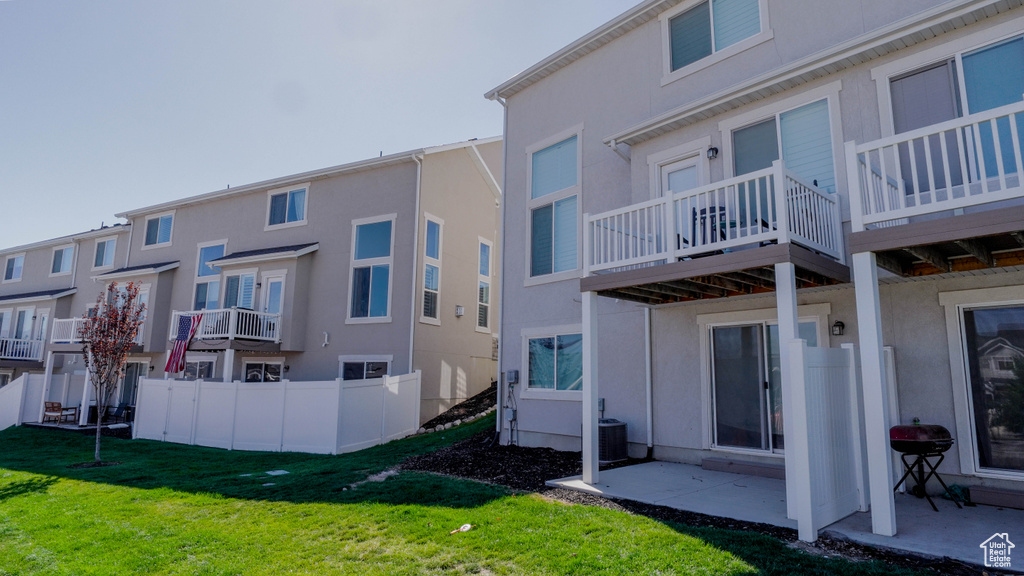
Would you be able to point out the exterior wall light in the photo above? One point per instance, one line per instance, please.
(459, 311)
(712, 153)
(837, 328)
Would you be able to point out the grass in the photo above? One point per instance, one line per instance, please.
(170, 509)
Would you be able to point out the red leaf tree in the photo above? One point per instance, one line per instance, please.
(109, 336)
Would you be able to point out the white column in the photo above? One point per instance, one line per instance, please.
(83, 410)
(590, 388)
(785, 304)
(47, 381)
(798, 466)
(876, 397)
(229, 364)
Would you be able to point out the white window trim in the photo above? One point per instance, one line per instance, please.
(533, 203)
(952, 48)
(3, 273)
(364, 358)
(668, 75)
(427, 217)
(113, 256)
(954, 303)
(239, 272)
(828, 92)
(205, 279)
(267, 226)
(53, 254)
(389, 260)
(145, 227)
(805, 313)
(657, 161)
(525, 392)
(246, 360)
(490, 285)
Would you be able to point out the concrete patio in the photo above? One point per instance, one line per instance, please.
(949, 532)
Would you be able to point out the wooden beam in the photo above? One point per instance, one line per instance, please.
(1002, 260)
(622, 295)
(975, 248)
(1019, 237)
(666, 288)
(749, 280)
(886, 261)
(931, 256)
(697, 288)
(720, 281)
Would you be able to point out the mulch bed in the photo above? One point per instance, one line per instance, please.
(526, 469)
(469, 407)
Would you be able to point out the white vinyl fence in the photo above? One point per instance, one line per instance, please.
(21, 400)
(826, 389)
(328, 417)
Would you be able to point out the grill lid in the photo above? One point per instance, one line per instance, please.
(919, 433)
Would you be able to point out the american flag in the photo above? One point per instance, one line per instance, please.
(187, 326)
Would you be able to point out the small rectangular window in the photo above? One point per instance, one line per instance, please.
(239, 290)
(364, 370)
(262, 371)
(105, 253)
(13, 267)
(202, 370)
(206, 254)
(371, 270)
(556, 362)
(432, 272)
(286, 207)
(554, 168)
(433, 240)
(483, 293)
(62, 260)
(158, 229)
(710, 27)
(485, 260)
(430, 290)
(553, 237)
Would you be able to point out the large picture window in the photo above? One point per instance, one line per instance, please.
(556, 362)
(372, 251)
(554, 193)
(994, 353)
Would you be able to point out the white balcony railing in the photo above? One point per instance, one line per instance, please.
(21, 349)
(231, 323)
(67, 331)
(957, 164)
(726, 215)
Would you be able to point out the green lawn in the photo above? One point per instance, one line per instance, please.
(170, 509)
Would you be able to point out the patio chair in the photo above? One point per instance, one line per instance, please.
(117, 414)
(54, 411)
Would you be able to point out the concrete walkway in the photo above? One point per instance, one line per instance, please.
(949, 532)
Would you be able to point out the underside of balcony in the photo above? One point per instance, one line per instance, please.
(717, 276)
(968, 242)
(214, 345)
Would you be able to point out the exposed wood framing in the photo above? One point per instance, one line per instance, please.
(931, 256)
(977, 249)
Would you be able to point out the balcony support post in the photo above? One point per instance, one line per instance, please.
(781, 202)
(229, 364)
(591, 452)
(785, 304)
(47, 381)
(876, 395)
(83, 408)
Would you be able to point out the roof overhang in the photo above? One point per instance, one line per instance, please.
(255, 256)
(29, 297)
(98, 232)
(906, 32)
(136, 271)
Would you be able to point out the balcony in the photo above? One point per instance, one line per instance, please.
(20, 349)
(232, 324)
(719, 240)
(69, 331)
(944, 198)
(726, 216)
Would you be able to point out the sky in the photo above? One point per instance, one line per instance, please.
(107, 106)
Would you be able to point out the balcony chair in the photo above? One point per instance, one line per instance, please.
(54, 411)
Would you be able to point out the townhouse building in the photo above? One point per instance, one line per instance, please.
(697, 186)
(382, 266)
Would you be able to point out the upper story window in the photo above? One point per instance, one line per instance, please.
(158, 229)
(372, 257)
(207, 292)
(63, 257)
(287, 206)
(13, 268)
(105, 249)
(432, 271)
(554, 199)
(240, 290)
(804, 137)
(699, 34)
(483, 299)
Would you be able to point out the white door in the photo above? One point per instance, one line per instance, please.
(273, 294)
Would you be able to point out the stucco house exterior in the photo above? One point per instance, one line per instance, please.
(697, 186)
(382, 266)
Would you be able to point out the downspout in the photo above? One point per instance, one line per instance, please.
(501, 269)
(74, 267)
(415, 271)
(648, 384)
(128, 249)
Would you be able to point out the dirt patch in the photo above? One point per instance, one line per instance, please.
(93, 465)
(470, 407)
(527, 469)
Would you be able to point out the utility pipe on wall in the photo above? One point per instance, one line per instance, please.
(415, 253)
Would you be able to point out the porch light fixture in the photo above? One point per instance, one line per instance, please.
(712, 153)
(837, 328)
(459, 311)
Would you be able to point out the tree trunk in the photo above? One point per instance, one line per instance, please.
(99, 428)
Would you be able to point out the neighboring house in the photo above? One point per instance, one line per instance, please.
(45, 281)
(695, 184)
(377, 267)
